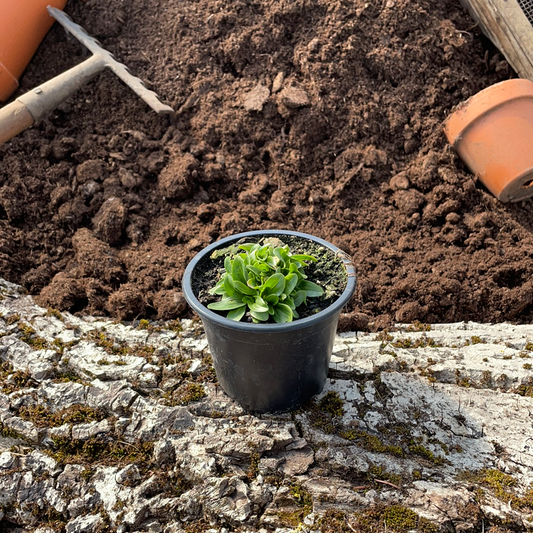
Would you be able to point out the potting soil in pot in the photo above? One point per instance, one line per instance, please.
(328, 272)
(320, 116)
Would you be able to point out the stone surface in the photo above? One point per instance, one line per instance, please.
(433, 420)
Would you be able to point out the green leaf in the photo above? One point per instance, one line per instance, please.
(303, 257)
(291, 281)
(282, 253)
(312, 290)
(254, 270)
(218, 288)
(275, 284)
(271, 299)
(238, 271)
(227, 264)
(259, 306)
(237, 314)
(261, 316)
(272, 261)
(225, 305)
(299, 298)
(253, 282)
(262, 253)
(228, 285)
(282, 313)
(248, 299)
(248, 246)
(242, 288)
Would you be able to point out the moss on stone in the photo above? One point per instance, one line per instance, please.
(332, 404)
(41, 416)
(9, 433)
(398, 518)
(333, 521)
(61, 346)
(422, 451)
(185, 394)
(30, 337)
(393, 518)
(303, 500)
(418, 326)
(16, 381)
(101, 450)
(378, 472)
(55, 313)
(422, 342)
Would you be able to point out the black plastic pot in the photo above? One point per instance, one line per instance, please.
(271, 367)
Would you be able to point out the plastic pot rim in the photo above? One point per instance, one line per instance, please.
(299, 323)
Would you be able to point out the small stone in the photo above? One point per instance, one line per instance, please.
(399, 182)
(256, 98)
(277, 84)
(84, 524)
(92, 429)
(24, 428)
(128, 474)
(164, 452)
(297, 461)
(89, 189)
(314, 44)
(294, 97)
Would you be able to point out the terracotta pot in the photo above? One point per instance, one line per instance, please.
(493, 133)
(23, 25)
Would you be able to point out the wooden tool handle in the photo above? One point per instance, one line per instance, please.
(14, 118)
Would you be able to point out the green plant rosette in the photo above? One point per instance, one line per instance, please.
(265, 280)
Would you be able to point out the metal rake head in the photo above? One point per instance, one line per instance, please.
(108, 61)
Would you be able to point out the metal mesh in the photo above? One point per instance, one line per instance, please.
(527, 8)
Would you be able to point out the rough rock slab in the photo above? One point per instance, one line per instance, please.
(122, 427)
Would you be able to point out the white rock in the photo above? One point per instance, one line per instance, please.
(84, 524)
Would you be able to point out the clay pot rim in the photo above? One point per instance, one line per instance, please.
(506, 195)
(483, 103)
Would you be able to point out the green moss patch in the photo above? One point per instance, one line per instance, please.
(100, 450)
(40, 416)
(394, 518)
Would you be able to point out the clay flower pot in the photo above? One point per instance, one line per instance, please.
(23, 25)
(493, 134)
(269, 367)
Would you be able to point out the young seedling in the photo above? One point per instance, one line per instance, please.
(266, 280)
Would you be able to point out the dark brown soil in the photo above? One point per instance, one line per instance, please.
(323, 116)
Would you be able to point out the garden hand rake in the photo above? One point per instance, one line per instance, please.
(31, 107)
